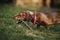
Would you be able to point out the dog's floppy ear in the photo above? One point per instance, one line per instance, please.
(30, 12)
(28, 16)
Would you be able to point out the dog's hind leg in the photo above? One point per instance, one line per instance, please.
(45, 24)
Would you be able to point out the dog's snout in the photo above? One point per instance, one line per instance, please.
(19, 22)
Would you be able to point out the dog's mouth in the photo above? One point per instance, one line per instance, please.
(19, 22)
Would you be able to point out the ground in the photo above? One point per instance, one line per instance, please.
(9, 30)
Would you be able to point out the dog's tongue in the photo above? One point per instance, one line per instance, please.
(34, 19)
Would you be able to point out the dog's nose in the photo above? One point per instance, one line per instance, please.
(18, 22)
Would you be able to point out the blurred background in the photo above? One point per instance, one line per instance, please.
(32, 3)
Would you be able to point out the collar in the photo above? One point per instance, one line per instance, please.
(34, 18)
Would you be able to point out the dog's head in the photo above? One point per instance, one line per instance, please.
(23, 16)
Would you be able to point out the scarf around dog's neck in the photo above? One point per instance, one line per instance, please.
(34, 18)
(33, 14)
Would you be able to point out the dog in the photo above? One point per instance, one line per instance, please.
(39, 18)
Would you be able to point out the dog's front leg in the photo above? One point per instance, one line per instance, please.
(38, 26)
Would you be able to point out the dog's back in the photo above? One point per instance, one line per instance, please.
(55, 16)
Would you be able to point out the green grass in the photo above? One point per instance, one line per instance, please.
(9, 30)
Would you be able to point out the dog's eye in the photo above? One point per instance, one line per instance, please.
(23, 15)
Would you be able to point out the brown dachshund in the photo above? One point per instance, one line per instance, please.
(41, 18)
